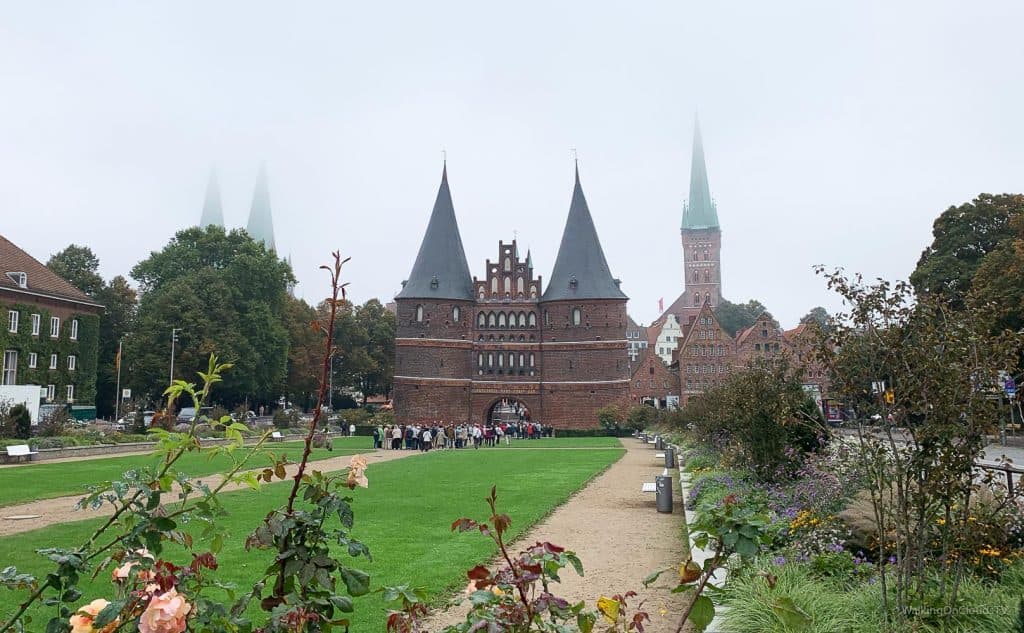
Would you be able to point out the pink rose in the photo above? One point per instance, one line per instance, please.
(166, 613)
(82, 621)
(123, 572)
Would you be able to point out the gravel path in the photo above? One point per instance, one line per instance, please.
(62, 509)
(620, 538)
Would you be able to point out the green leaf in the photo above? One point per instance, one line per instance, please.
(746, 546)
(653, 577)
(574, 560)
(357, 582)
(108, 614)
(792, 616)
(702, 613)
(586, 621)
(344, 603)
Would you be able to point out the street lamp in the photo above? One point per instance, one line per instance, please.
(174, 339)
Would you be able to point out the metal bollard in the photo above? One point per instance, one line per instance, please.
(670, 457)
(663, 490)
(659, 443)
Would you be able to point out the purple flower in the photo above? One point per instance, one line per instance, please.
(836, 548)
(779, 561)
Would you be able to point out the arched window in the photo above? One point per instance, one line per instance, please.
(707, 276)
(531, 361)
(511, 360)
(508, 285)
(547, 318)
(521, 358)
(456, 313)
(490, 360)
(501, 320)
(533, 319)
(577, 316)
(494, 284)
(696, 298)
(492, 320)
(481, 294)
(520, 284)
(508, 264)
(522, 319)
(419, 314)
(501, 360)
(707, 297)
(694, 255)
(533, 292)
(705, 256)
(481, 320)
(480, 359)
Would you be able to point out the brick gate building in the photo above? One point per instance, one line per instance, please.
(467, 345)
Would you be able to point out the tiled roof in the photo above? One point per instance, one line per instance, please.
(40, 279)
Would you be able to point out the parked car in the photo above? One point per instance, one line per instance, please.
(187, 414)
(247, 417)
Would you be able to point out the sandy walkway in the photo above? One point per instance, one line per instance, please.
(62, 509)
(620, 538)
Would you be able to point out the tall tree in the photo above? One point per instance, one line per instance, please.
(79, 266)
(734, 317)
(120, 302)
(305, 351)
(380, 327)
(999, 281)
(227, 295)
(818, 315)
(963, 236)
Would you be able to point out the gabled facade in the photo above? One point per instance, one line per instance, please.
(762, 340)
(49, 330)
(652, 382)
(468, 347)
(706, 356)
(665, 337)
(636, 338)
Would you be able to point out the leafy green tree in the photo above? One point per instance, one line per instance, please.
(734, 317)
(999, 281)
(380, 327)
(227, 294)
(120, 302)
(79, 266)
(305, 351)
(818, 315)
(963, 237)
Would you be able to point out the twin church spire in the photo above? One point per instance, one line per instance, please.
(441, 272)
(261, 222)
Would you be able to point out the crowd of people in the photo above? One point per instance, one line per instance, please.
(440, 435)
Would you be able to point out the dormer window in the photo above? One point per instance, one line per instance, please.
(20, 279)
(573, 283)
(434, 283)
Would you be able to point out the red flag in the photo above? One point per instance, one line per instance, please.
(661, 305)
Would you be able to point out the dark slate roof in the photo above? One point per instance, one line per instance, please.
(700, 211)
(581, 271)
(440, 271)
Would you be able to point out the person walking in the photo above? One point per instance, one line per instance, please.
(396, 438)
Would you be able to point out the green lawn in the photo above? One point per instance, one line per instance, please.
(404, 517)
(567, 442)
(19, 484)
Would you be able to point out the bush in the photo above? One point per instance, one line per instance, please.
(20, 421)
(590, 433)
(383, 418)
(354, 416)
(285, 419)
(55, 425)
(642, 417)
(610, 418)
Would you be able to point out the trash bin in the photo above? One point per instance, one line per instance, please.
(659, 443)
(670, 457)
(663, 491)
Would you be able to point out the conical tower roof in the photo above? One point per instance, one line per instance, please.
(699, 211)
(440, 270)
(213, 213)
(581, 271)
(261, 223)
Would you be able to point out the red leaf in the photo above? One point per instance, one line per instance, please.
(554, 549)
(478, 573)
(501, 522)
(463, 524)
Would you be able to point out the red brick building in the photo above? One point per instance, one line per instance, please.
(471, 349)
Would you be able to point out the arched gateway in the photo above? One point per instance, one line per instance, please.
(505, 410)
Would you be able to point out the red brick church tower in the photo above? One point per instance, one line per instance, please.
(473, 350)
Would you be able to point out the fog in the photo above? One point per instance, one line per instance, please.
(834, 133)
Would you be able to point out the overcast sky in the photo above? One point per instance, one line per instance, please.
(835, 133)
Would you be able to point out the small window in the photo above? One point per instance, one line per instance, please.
(419, 314)
(508, 285)
(51, 392)
(71, 393)
(501, 360)
(456, 314)
(492, 320)
(72, 362)
(74, 329)
(696, 298)
(511, 360)
(651, 370)
(54, 327)
(508, 264)
(521, 359)
(10, 368)
(12, 321)
(520, 285)
(501, 320)
(533, 292)
(494, 285)
(481, 320)
(533, 319)
(531, 360)
(35, 324)
(53, 361)
(490, 360)
(21, 279)
(480, 360)
(33, 360)
(577, 316)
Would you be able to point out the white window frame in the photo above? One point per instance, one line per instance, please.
(35, 324)
(12, 321)
(33, 360)
(72, 362)
(71, 393)
(54, 327)
(9, 370)
(74, 329)
(51, 392)
(53, 361)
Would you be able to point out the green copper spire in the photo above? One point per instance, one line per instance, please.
(529, 260)
(699, 212)
(212, 211)
(261, 224)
